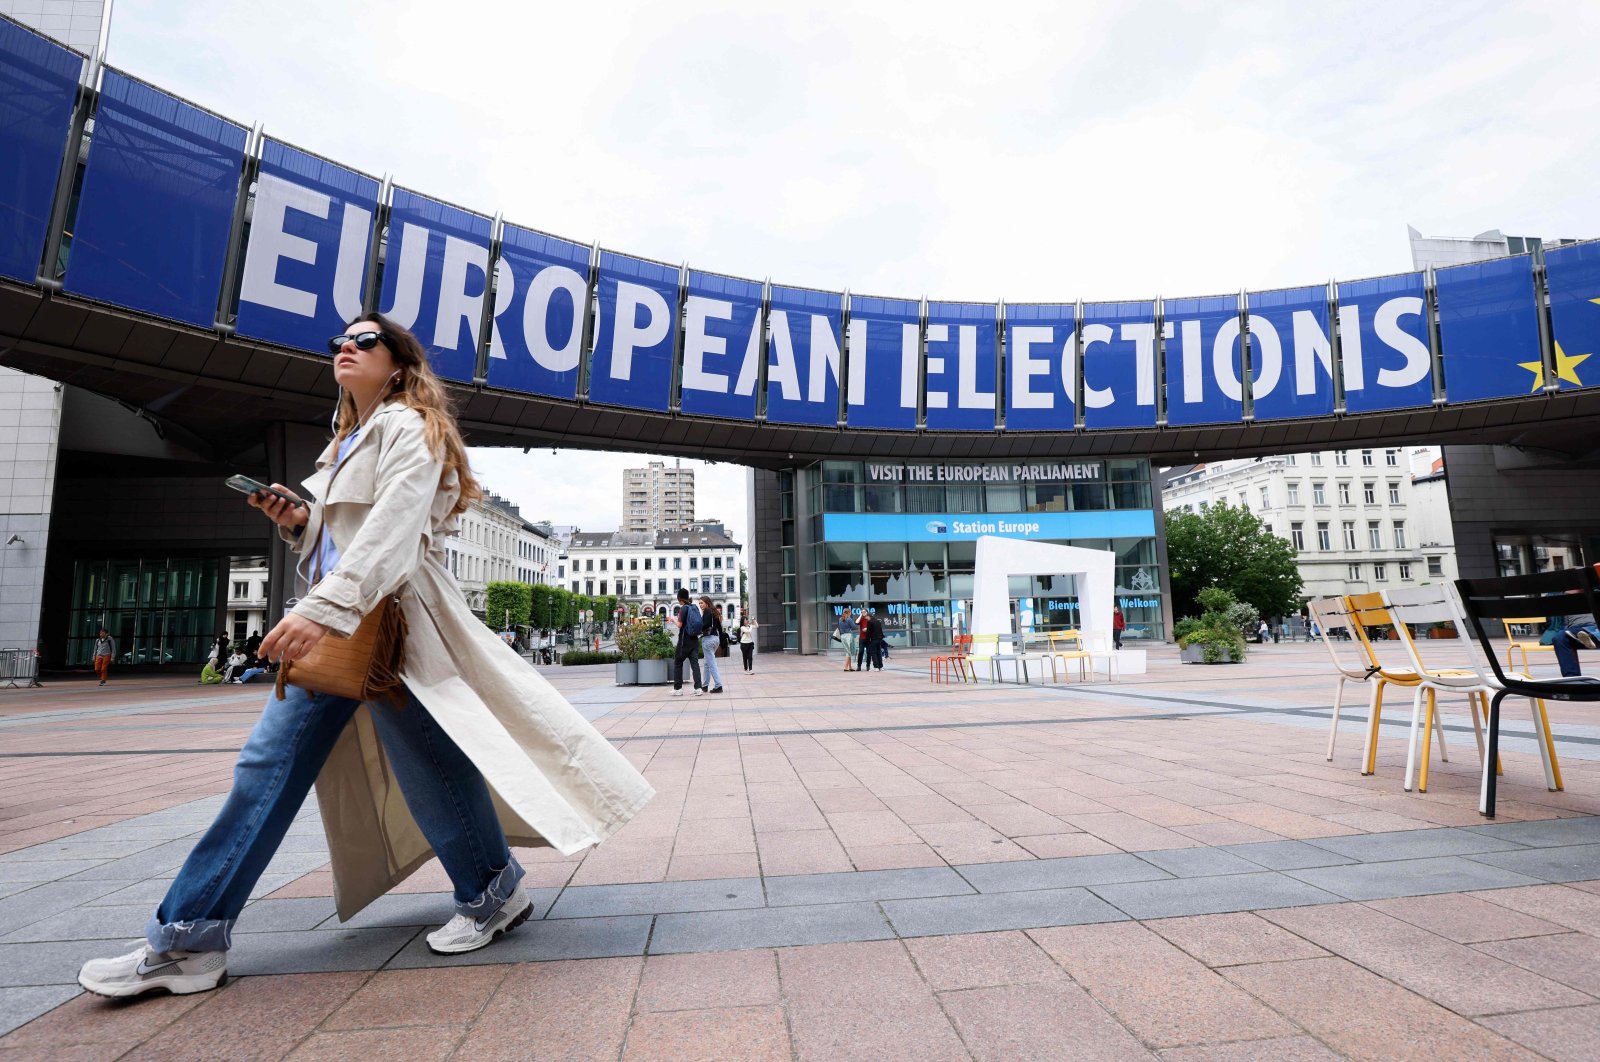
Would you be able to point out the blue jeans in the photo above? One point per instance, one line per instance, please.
(708, 649)
(1567, 647)
(444, 790)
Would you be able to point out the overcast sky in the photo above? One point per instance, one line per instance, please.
(1023, 151)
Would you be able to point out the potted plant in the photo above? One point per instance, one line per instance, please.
(655, 656)
(631, 642)
(1214, 637)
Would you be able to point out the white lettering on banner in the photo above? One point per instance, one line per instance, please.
(1312, 345)
(536, 315)
(986, 473)
(1350, 347)
(1093, 397)
(1266, 362)
(781, 368)
(407, 302)
(350, 268)
(1222, 363)
(910, 347)
(269, 242)
(454, 302)
(1026, 367)
(993, 527)
(910, 351)
(1387, 325)
(855, 341)
(1194, 388)
(824, 357)
(697, 310)
(505, 290)
(746, 385)
(627, 335)
(1143, 334)
(969, 395)
(937, 333)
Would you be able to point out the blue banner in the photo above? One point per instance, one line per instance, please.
(885, 354)
(305, 265)
(721, 346)
(157, 204)
(1041, 380)
(1291, 353)
(632, 363)
(966, 527)
(1573, 274)
(1204, 366)
(435, 276)
(38, 84)
(1489, 329)
(540, 299)
(1383, 344)
(963, 366)
(1119, 365)
(803, 364)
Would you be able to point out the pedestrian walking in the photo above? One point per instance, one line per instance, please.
(861, 639)
(848, 635)
(105, 648)
(466, 713)
(689, 621)
(874, 641)
(1119, 623)
(711, 635)
(747, 642)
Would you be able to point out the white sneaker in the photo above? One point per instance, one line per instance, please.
(145, 970)
(464, 933)
(677, 693)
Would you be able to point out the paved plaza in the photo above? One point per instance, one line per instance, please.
(848, 866)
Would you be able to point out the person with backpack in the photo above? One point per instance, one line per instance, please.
(690, 623)
(711, 636)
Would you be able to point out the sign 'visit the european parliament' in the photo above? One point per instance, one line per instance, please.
(156, 223)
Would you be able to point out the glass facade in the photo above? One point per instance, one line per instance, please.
(160, 610)
(922, 590)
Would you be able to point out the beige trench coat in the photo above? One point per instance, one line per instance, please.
(556, 781)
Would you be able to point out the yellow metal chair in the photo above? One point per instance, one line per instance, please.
(1522, 645)
(1365, 613)
(983, 650)
(1065, 647)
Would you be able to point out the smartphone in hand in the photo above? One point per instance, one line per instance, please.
(246, 485)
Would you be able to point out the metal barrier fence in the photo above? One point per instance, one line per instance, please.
(19, 667)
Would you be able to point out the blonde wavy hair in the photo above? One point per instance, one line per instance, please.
(418, 387)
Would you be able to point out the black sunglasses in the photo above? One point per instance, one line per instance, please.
(362, 340)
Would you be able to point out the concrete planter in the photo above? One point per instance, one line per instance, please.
(1195, 654)
(655, 672)
(627, 672)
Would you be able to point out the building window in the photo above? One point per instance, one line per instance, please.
(1394, 492)
(633, 588)
(241, 589)
(647, 564)
(1297, 535)
(694, 563)
(1374, 535)
(1435, 567)
(1350, 534)
(1380, 573)
(1366, 458)
(602, 564)
(1344, 493)
(1369, 493)
(1354, 573)
(602, 588)
(633, 564)
(1319, 495)
(1316, 459)
(717, 584)
(1392, 459)
(1399, 534)
(1243, 500)
(588, 586)
(1324, 538)
(1341, 458)
(1288, 459)
(716, 562)
(1405, 572)
(589, 565)
(677, 564)
(1294, 494)
(694, 586)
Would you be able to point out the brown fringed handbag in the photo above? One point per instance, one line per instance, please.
(366, 665)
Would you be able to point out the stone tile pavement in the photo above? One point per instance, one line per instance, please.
(860, 866)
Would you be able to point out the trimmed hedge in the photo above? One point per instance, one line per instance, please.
(585, 656)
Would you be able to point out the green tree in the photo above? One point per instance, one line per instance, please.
(1228, 547)
(541, 596)
(503, 598)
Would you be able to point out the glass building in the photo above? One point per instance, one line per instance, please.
(901, 538)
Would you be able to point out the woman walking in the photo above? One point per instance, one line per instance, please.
(710, 641)
(105, 648)
(392, 483)
(747, 642)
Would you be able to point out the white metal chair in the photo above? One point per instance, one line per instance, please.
(1331, 617)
